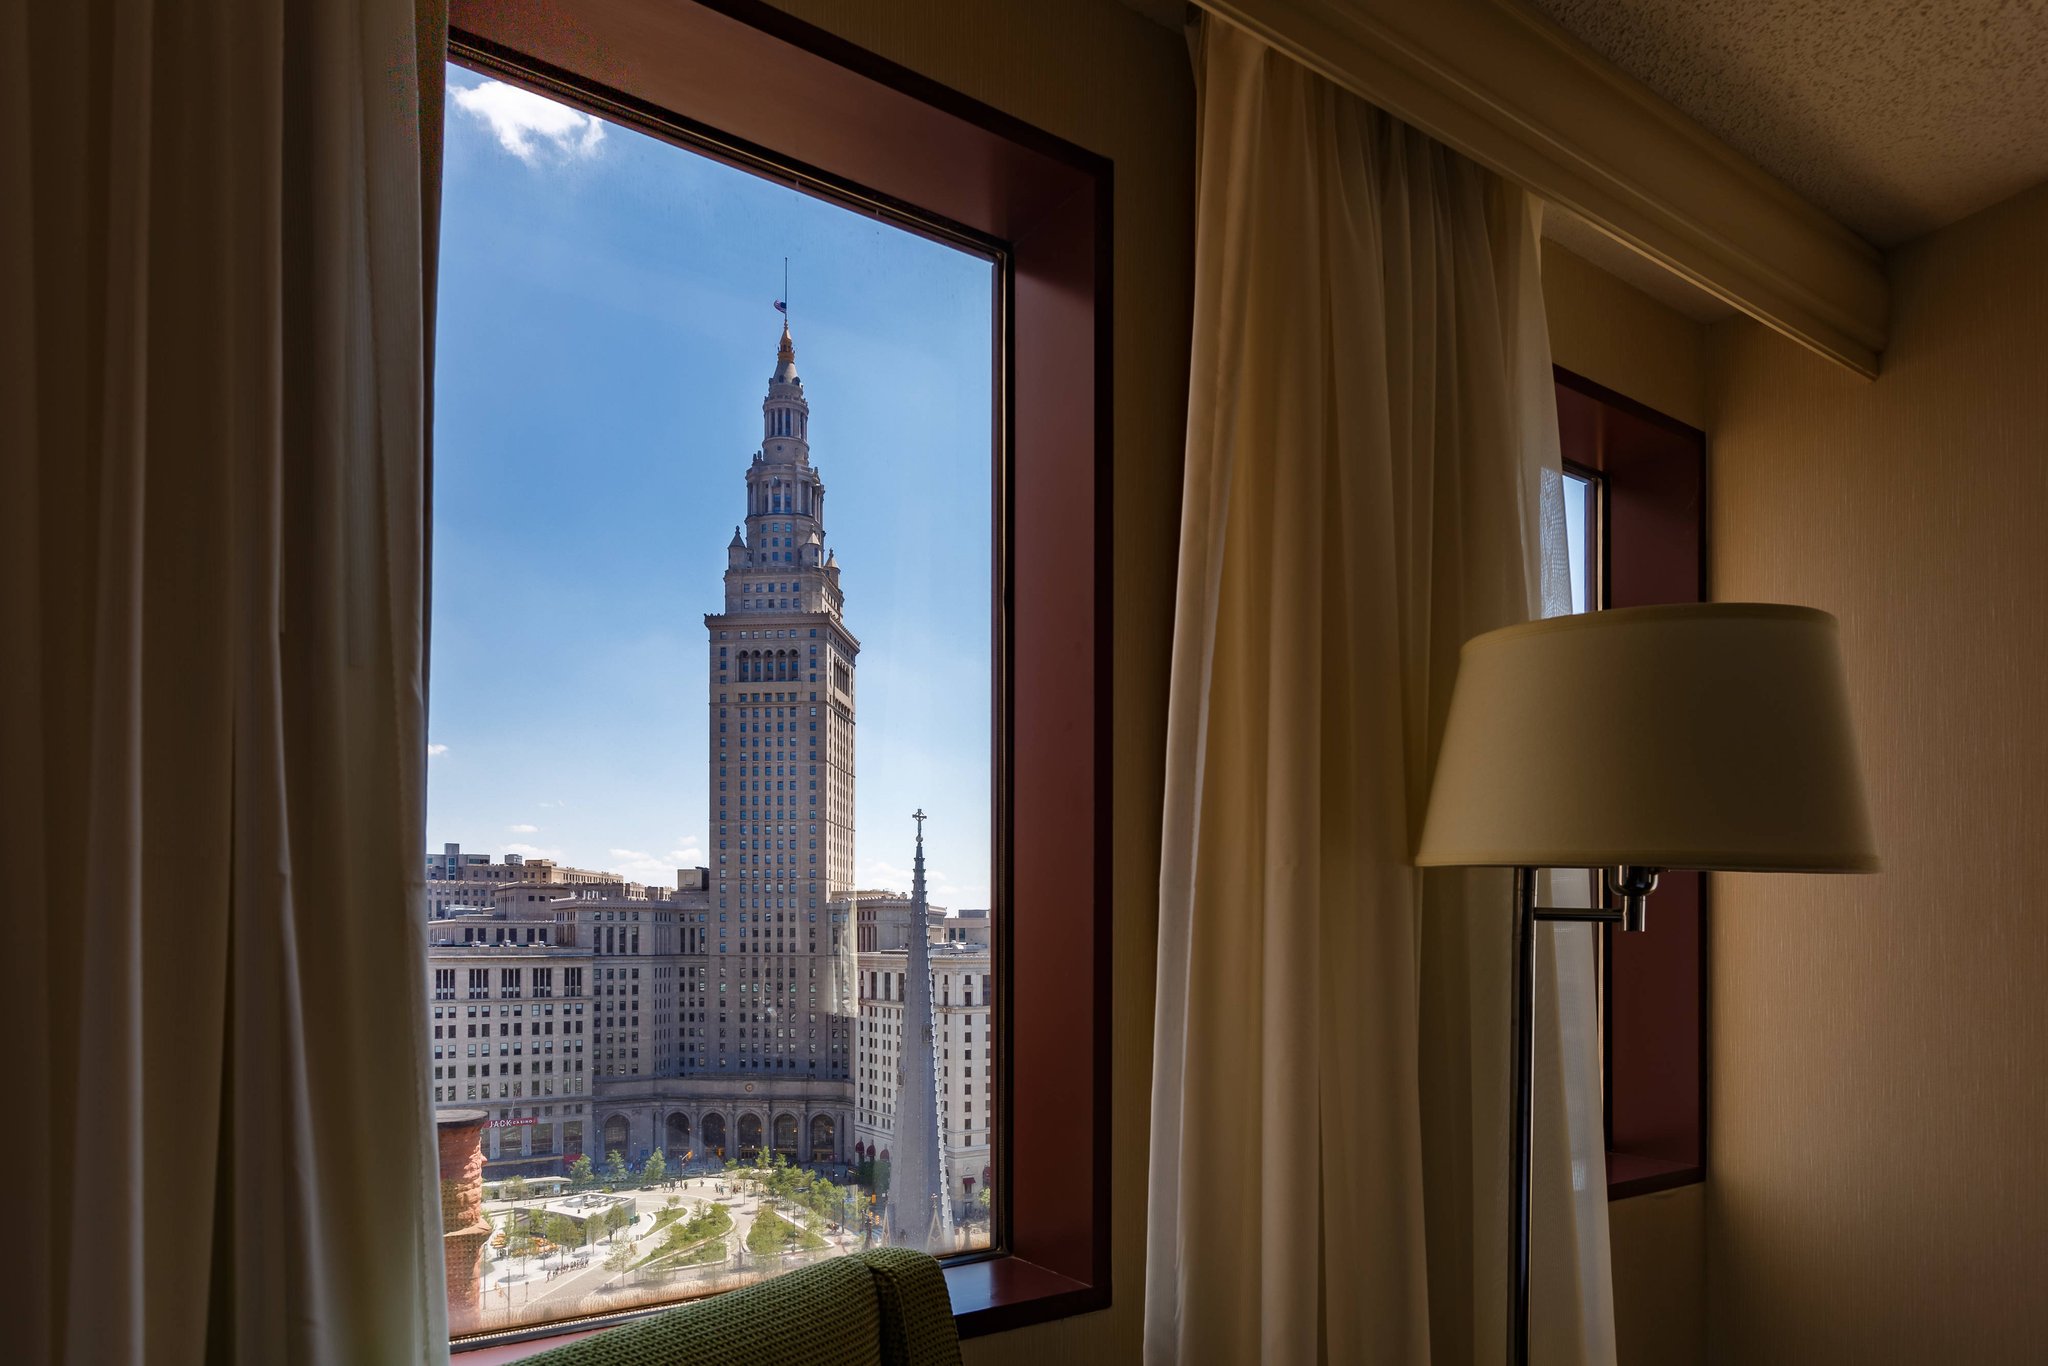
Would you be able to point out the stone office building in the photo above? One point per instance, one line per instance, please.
(715, 1020)
(457, 881)
(510, 1037)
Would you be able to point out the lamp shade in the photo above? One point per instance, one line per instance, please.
(1701, 735)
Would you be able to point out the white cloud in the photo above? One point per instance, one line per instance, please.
(524, 829)
(639, 866)
(436, 751)
(882, 876)
(530, 126)
(533, 851)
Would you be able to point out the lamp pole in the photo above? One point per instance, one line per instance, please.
(1522, 1135)
(1633, 886)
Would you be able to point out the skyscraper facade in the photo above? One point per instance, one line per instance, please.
(781, 771)
(717, 1019)
(781, 680)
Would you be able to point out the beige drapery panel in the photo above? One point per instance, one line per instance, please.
(1371, 479)
(216, 233)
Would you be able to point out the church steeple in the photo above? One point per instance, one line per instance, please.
(918, 1213)
(917, 867)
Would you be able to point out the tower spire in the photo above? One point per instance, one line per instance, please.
(917, 865)
(785, 352)
(919, 1214)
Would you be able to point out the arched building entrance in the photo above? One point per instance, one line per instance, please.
(617, 1132)
(750, 1136)
(785, 1136)
(713, 1131)
(824, 1139)
(678, 1134)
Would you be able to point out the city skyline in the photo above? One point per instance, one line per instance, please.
(603, 346)
(757, 1010)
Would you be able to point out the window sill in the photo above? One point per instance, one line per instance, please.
(996, 1294)
(1631, 1174)
(990, 1295)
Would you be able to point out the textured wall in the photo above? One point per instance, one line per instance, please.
(1880, 1045)
(1660, 1268)
(1620, 337)
(1105, 77)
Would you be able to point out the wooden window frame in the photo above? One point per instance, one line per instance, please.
(747, 84)
(1650, 548)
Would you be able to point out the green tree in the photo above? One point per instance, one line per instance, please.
(656, 1168)
(769, 1235)
(616, 1218)
(516, 1190)
(619, 1258)
(708, 1225)
(615, 1167)
(580, 1172)
(772, 1235)
(560, 1230)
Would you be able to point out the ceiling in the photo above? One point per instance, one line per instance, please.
(1894, 116)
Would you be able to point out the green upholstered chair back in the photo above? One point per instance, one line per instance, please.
(887, 1307)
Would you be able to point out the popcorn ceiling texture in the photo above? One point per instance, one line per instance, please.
(1894, 116)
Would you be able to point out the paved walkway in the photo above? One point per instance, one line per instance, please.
(552, 1285)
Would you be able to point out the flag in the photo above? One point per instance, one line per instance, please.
(781, 307)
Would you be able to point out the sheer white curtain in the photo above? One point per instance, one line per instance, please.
(1371, 479)
(216, 233)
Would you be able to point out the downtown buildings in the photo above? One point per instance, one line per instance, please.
(724, 1017)
(963, 1021)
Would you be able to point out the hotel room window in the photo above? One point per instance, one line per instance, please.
(1639, 527)
(1037, 211)
(621, 363)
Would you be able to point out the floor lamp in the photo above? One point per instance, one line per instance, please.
(1711, 736)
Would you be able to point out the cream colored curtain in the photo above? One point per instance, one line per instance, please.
(216, 230)
(1371, 479)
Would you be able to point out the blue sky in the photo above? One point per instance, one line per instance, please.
(605, 339)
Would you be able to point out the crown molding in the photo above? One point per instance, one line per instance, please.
(1508, 88)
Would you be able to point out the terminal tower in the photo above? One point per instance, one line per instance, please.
(781, 764)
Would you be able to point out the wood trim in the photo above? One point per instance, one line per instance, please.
(849, 125)
(1630, 1174)
(1508, 88)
